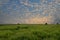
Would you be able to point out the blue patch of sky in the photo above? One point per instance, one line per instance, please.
(15, 2)
(35, 1)
(5, 7)
(31, 8)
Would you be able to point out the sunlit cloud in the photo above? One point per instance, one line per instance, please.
(37, 20)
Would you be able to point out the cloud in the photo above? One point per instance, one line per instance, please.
(37, 20)
(29, 12)
(26, 2)
(3, 2)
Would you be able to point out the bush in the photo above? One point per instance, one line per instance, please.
(18, 23)
(45, 23)
(57, 23)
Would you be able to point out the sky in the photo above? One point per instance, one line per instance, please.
(29, 11)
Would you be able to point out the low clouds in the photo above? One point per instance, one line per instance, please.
(26, 11)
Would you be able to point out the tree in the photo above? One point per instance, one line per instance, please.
(57, 23)
(18, 23)
(45, 23)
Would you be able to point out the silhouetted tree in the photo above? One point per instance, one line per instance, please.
(45, 23)
(57, 23)
(18, 23)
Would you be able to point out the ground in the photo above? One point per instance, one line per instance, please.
(29, 32)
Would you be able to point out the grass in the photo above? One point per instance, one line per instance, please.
(29, 32)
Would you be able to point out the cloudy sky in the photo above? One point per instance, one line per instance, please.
(29, 11)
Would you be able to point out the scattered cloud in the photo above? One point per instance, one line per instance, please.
(30, 12)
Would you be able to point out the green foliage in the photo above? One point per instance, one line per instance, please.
(29, 32)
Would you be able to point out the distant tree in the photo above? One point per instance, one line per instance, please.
(18, 23)
(46, 23)
(57, 23)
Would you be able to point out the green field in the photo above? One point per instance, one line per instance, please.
(29, 32)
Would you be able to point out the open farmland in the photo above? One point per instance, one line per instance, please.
(29, 32)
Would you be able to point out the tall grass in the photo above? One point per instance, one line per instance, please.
(30, 32)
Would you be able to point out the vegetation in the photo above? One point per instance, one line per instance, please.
(45, 23)
(29, 32)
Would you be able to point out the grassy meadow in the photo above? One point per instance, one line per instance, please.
(29, 32)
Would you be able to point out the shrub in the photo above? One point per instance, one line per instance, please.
(57, 23)
(46, 23)
(18, 23)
